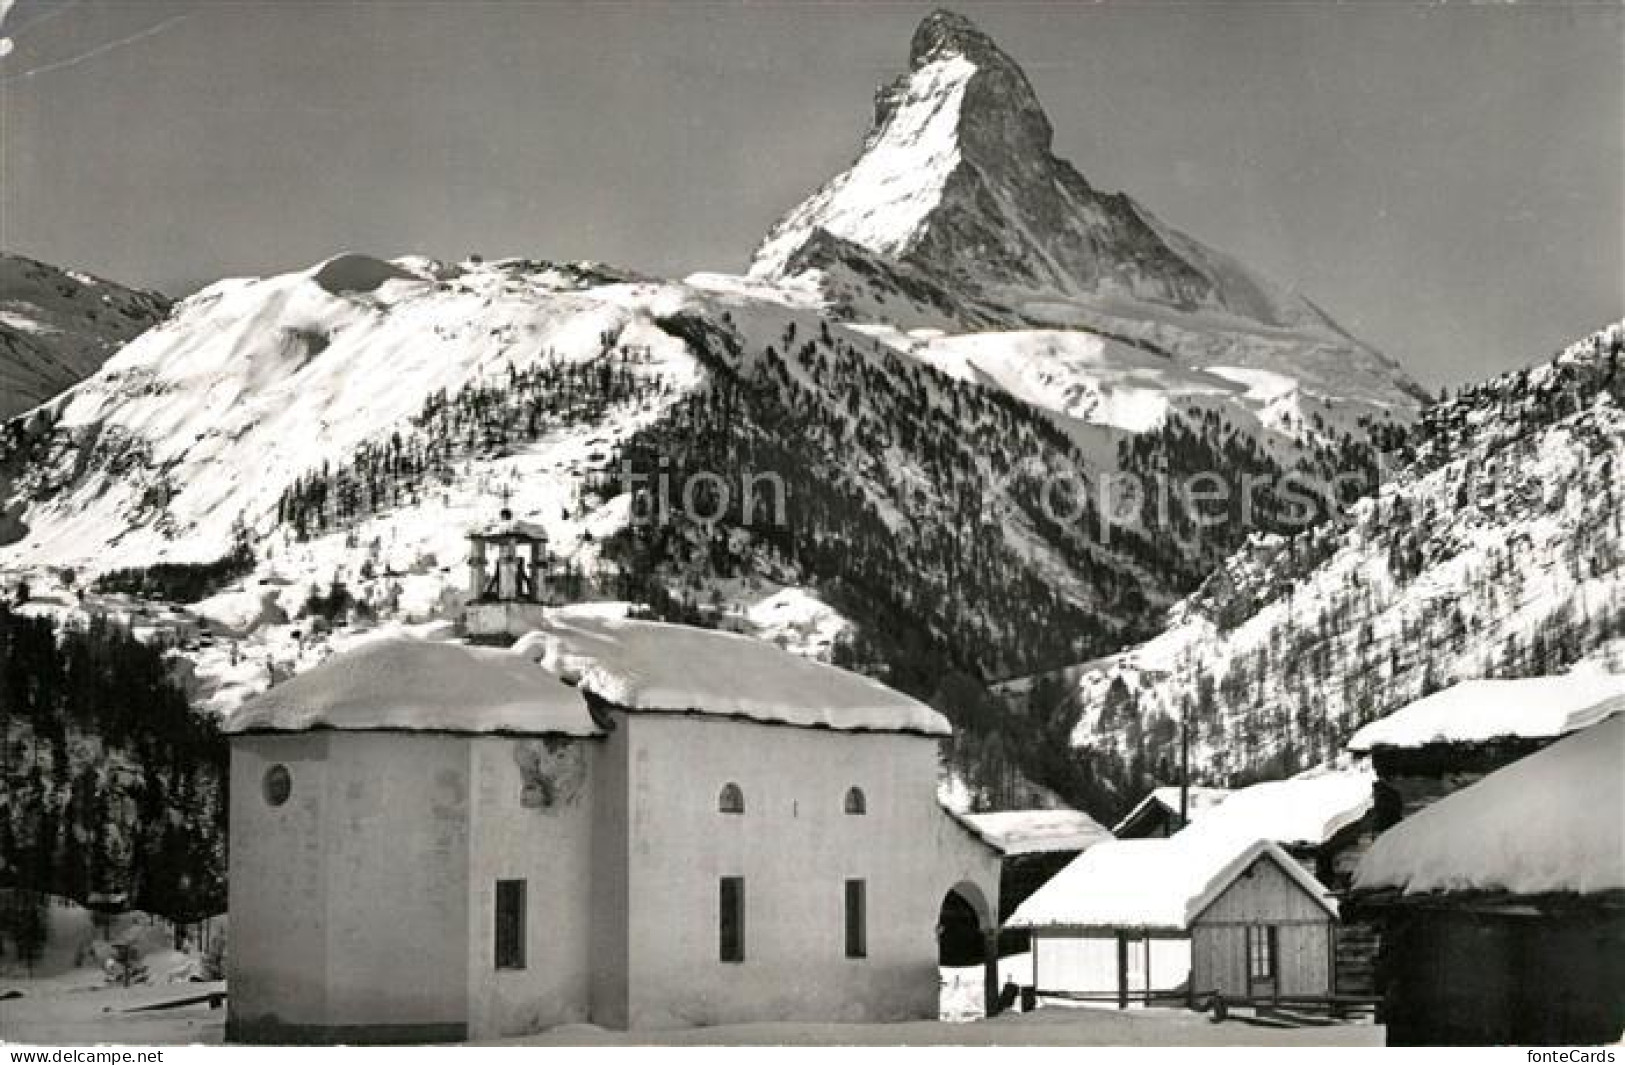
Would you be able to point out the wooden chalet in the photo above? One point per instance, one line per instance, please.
(1503, 905)
(1181, 920)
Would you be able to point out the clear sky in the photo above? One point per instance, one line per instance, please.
(1447, 180)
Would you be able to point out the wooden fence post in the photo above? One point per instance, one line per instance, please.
(1122, 971)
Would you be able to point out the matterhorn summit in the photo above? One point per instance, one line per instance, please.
(958, 205)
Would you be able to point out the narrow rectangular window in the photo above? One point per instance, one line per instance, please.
(857, 938)
(510, 924)
(1261, 952)
(731, 919)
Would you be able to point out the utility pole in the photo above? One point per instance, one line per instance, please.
(1184, 763)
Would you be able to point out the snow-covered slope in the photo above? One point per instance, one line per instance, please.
(1497, 549)
(1084, 376)
(338, 429)
(194, 430)
(957, 213)
(57, 326)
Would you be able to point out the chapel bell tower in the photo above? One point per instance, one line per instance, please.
(506, 594)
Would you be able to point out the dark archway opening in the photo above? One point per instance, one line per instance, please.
(959, 932)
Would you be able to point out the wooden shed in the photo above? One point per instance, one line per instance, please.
(1321, 818)
(1204, 913)
(1503, 905)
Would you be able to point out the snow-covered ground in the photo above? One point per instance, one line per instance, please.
(67, 1001)
(1049, 1026)
(66, 997)
(68, 1018)
(75, 1016)
(962, 991)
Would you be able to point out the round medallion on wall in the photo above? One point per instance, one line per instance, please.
(278, 785)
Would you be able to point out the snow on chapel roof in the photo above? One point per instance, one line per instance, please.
(1153, 884)
(653, 666)
(1307, 809)
(1551, 822)
(1476, 711)
(1038, 831)
(422, 686)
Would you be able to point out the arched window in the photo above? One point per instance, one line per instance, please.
(855, 803)
(731, 800)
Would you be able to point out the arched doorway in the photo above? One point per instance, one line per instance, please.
(967, 952)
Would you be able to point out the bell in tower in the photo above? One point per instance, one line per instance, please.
(507, 598)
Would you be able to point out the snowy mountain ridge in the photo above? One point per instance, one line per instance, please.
(1496, 549)
(195, 428)
(58, 326)
(351, 421)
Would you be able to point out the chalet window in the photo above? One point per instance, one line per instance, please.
(731, 800)
(731, 919)
(857, 937)
(1261, 952)
(510, 924)
(855, 802)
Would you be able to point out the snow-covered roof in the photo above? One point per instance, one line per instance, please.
(1309, 808)
(1038, 831)
(1476, 711)
(1551, 822)
(1153, 884)
(653, 666)
(509, 528)
(1199, 801)
(421, 686)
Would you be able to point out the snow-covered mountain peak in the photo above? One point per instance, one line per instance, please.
(353, 272)
(957, 215)
(956, 175)
(961, 102)
(1000, 107)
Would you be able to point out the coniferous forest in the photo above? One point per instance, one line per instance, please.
(114, 789)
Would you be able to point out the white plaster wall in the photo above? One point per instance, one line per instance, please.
(611, 862)
(396, 843)
(277, 893)
(549, 846)
(795, 847)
